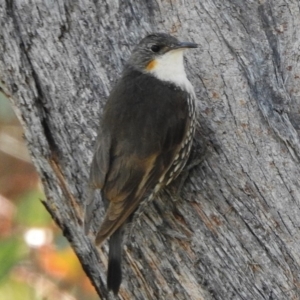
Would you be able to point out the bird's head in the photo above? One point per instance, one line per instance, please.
(159, 53)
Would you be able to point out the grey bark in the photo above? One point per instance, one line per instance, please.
(234, 234)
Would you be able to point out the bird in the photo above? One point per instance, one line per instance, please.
(144, 138)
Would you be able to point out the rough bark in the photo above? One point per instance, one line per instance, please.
(234, 234)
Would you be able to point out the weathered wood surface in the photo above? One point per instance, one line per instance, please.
(235, 232)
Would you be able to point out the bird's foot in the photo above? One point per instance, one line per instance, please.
(175, 194)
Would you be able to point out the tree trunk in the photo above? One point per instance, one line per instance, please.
(234, 232)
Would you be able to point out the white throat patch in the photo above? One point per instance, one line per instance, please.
(169, 67)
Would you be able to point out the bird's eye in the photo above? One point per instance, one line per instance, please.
(155, 48)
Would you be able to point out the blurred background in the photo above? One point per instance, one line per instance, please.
(36, 261)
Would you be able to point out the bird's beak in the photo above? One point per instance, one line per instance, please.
(182, 45)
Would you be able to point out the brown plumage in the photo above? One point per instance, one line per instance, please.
(143, 143)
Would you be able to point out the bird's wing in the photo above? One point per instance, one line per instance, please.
(125, 189)
(99, 168)
(100, 163)
(132, 178)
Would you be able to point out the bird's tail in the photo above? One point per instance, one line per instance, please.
(114, 272)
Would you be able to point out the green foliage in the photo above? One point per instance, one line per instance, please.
(12, 250)
(31, 211)
(12, 289)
